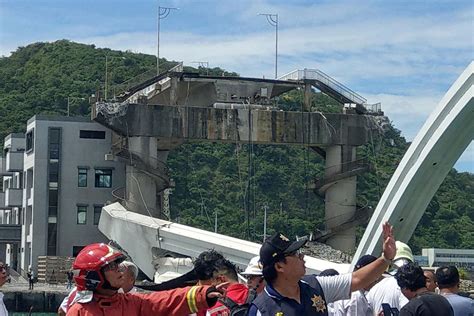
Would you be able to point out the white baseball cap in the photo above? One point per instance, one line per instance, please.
(254, 267)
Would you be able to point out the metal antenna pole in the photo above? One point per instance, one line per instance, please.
(163, 12)
(272, 19)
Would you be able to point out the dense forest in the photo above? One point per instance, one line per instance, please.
(233, 181)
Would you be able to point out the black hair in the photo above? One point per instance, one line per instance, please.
(447, 276)
(410, 276)
(205, 264)
(226, 268)
(329, 272)
(269, 272)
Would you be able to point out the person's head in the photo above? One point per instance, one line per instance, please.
(430, 280)
(410, 279)
(403, 256)
(97, 268)
(280, 256)
(448, 278)
(226, 271)
(130, 275)
(205, 266)
(3, 273)
(253, 273)
(329, 272)
(362, 262)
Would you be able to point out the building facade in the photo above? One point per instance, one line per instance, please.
(11, 174)
(64, 180)
(462, 258)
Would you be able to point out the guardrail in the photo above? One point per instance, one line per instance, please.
(125, 86)
(318, 75)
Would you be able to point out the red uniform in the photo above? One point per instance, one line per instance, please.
(237, 292)
(167, 303)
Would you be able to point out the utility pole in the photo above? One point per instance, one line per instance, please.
(106, 83)
(163, 12)
(265, 208)
(69, 99)
(273, 21)
(215, 221)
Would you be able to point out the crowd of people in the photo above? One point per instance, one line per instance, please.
(274, 283)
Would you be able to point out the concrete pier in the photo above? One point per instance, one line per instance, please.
(340, 197)
(159, 115)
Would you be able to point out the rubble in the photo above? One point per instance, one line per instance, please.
(325, 252)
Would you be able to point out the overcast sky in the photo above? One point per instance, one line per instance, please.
(404, 54)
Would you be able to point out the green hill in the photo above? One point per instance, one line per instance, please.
(235, 181)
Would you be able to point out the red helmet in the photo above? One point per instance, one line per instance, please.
(89, 262)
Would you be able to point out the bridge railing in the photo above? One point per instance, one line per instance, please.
(318, 75)
(125, 86)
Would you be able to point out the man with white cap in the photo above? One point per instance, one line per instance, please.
(254, 275)
(387, 290)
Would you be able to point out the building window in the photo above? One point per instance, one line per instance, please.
(52, 235)
(97, 211)
(53, 171)
(103, 178)
(92, 134)
(29, 140)
(81, 214)
(82, 177)
(54, 151)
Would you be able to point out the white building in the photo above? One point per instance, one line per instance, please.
(64, 180)
(11, 176)
(445, 257)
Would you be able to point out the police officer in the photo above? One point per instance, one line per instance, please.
(287, 294)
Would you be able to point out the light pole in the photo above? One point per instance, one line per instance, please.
(69, 99)
(204, 64)
(107, 73)
(163, 12)
(215, 221)
(273, 21)
(265, 207)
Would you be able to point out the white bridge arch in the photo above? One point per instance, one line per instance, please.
(441, 141)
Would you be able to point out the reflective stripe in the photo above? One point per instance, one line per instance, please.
(217, 309)
(191, 298)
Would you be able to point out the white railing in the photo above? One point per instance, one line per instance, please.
(318, 75)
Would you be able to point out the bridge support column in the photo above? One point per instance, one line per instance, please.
(140, 185)
(340, 197)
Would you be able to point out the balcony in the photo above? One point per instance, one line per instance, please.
(10, 233)
(14, 161)
(13, 197)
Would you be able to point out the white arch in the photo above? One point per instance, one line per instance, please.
(434, 151)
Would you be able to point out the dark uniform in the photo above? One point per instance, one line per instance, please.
(270, 302)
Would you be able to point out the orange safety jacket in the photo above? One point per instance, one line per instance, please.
(177, 302)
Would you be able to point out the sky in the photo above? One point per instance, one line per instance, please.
(404, 54)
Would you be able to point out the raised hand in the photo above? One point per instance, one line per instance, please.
(389, 247)
(219, 290)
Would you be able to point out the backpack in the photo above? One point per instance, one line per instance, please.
(239, 309)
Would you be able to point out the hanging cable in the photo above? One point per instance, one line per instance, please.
(249, 175)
